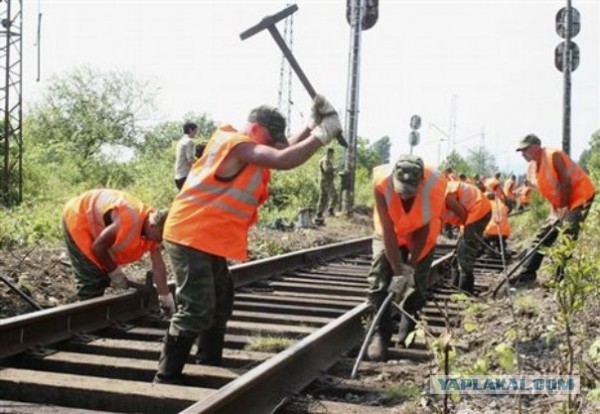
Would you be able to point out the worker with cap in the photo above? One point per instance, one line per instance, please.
(566, 186)
(409, 202)
(209, 221)
(327, 196)
(466, 207)
(105, 229)
(498, 228)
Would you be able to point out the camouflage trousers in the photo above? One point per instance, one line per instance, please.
(380, 277)
(469, 245)
(571, 225)
(327, 197)
(91, 281)
(204, 290)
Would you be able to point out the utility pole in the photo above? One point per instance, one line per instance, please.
(11, 138)
(284, 101)
(452, 125)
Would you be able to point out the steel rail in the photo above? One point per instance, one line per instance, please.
(41, 328)
(269, 385)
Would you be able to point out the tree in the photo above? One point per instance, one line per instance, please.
(85, 110)
(458, 164)
(366, 156)
(382, 146)
(482, 162)
(590, 158)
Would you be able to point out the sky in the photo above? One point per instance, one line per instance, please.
(490, 62)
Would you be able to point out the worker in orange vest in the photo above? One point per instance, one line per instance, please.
(466, 206)
(498, 228)
(409, 201)
(509, 192)
(450, 175)
(105, 229)
(566, 186)
(494, 184)
(523, 194)
(209, 221)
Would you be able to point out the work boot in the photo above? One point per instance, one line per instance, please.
(210, 346)
(378, 347)
(526, 276)
(406, 326)
(173, 355)
(467, 283)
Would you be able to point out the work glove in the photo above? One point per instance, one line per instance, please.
(167, 304)
(329, 129)
(118, 280)
(403, 284)
(561, 213)
(320, 109)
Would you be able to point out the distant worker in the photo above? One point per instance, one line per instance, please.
(209, 221)
(327, 198)
(409, 202)
(449, 174)
(509, 192)
(494, 185)
(105, 229)
(568, 189)
(498, 229)
(184, 153)
(465, 205)
(523, 195)
(463, 178)
(478, 182)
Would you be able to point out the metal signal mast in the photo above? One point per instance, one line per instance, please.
(284, 101)
(11, 137)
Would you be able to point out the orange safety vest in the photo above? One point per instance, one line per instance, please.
(545, 178)
(83, 217)
(493, 185)
(427, 207)
(471, 198)
(499, 220)
(214, 215)
(524, 193)
(509, 187)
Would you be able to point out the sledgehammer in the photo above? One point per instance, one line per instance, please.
(268, 23)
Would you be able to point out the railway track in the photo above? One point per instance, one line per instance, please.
(101, 354)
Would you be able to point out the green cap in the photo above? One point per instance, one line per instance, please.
(272, 119)
(527, 141)
(408, 173)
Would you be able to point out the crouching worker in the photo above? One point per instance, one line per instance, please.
(467, 206)
(409, 201)
(209, 221)
(105, 229)
(497, 230)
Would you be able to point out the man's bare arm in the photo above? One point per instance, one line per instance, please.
(278, 159)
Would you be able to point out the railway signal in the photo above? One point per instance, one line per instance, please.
(566, 60)
(413, 135)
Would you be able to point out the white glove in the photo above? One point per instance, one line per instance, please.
(561, 213)
(167, 304)
(321, 108)
(329, 129)
(400, 284)
(118, 280)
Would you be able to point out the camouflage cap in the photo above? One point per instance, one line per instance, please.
(408, 173)
(272, 119)
(529, 139)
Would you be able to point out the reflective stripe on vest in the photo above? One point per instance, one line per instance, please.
(471, 198)
(427, 207)
(84, 219)
(547, 181)
(214, 215)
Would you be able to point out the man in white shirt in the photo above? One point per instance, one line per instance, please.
(184, 153)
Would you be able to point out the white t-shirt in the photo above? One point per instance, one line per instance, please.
(184, 157)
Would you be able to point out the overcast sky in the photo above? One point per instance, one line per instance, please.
(495, 57)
